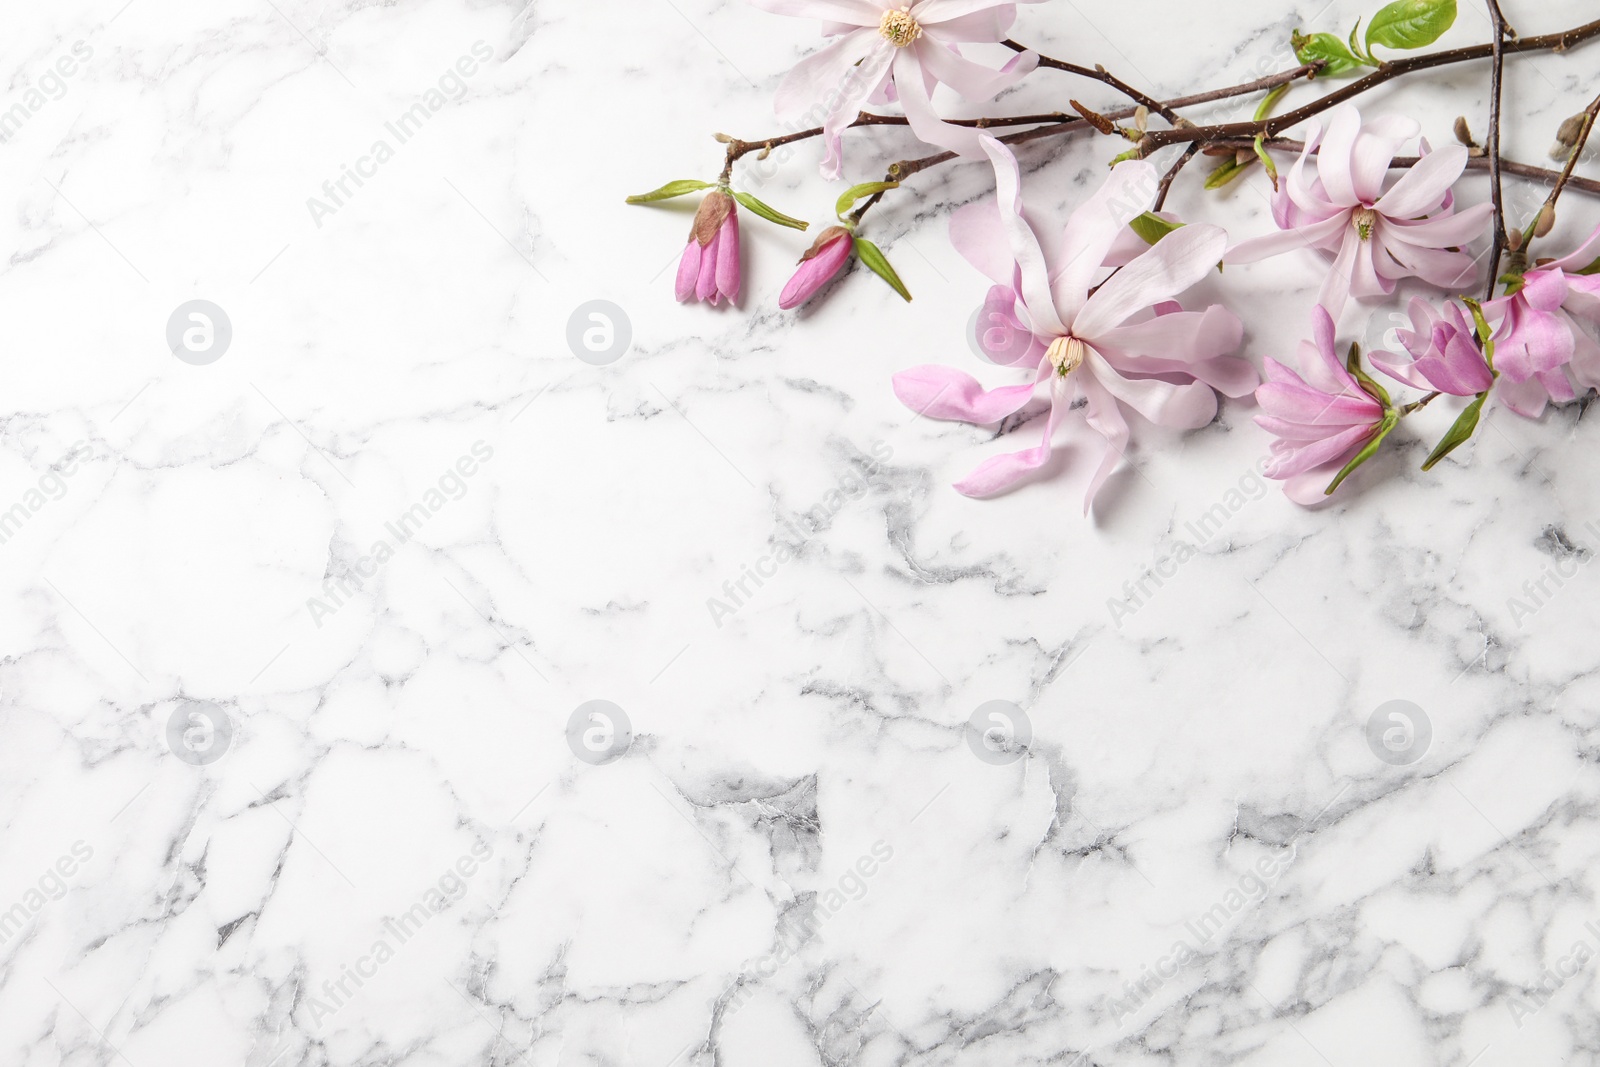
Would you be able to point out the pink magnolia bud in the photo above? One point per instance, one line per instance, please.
(709, 269)
(821, 262)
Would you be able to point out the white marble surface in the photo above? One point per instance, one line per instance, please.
(643, 912)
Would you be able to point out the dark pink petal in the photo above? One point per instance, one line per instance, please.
(728, 274)
(816, 272)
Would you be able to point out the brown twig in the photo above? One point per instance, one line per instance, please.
(1172, 173)
(1591, 113)
(1496, 190)
(1271, 127)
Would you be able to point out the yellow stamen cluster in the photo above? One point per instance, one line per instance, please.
(1364, 217)
(899, 28)
(1065, 355)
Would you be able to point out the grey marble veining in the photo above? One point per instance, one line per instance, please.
(301, 764)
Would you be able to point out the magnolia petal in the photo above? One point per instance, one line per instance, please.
(1105, 417)
(1375, 149)
(999, 473)
(973, 81)
(1338, 148)
(1032, 275)
(1093, 228)
(1183, 407)
(1422, 189)
(978, 233)
(946, 393)
(1175, 263)
(1272, 244)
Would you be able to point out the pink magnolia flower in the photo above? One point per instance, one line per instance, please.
(1540, 350)
(709, 269)
(1122, 342)
(1376, 236)
(825, 258)
(1321, 419)
(1443, 353)
(896, 49)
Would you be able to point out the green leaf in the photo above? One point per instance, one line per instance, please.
(1409, 24)
(1227, 172)
(1390, 421)
(1374, 390)
(1337, 58)
(1266, 160)
(874, 258)
(770, 214)
(678, 188)
(1152, 227)
(1270, 101)
(856, 192)
(1355, 48)
(1459, 434)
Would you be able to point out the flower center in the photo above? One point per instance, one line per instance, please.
(1065, 355)
(899, 28)
(1364, 218)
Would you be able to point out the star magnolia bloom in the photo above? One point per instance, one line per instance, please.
(709, 269)
(888, 49)
(1124, 342)
(1377, 237)
(1443, 350)
(825, 258)
(1320, 420)
(1540, 350)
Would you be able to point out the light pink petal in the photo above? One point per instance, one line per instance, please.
(1365, 280)
(1033, 277)
(1173, 264)
(946, 393)
(1335, 449)
(1444, 231)
(1320, 361)
(1311, 488)
(1307, 194)
(1183, 407)
(1402, 369)
(918, 105)
(1421, 189)
(999, 473)
(1336, 287)
(688, 270)
(1527, 399)
(1002, 338)
(1447, 270)
(1581, 258)
(1375, 148)
(989, 25)
(1105, 418)
(978, 233)
(1545, 289)
(973, 81)
(1338, 150)
(1187, 336)
(826, 74)
(1272, 244)
(1092, 229)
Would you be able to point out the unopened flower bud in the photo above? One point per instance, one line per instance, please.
(1514, 240)
(1464, 133)
(1547, 221)
(722, 138)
